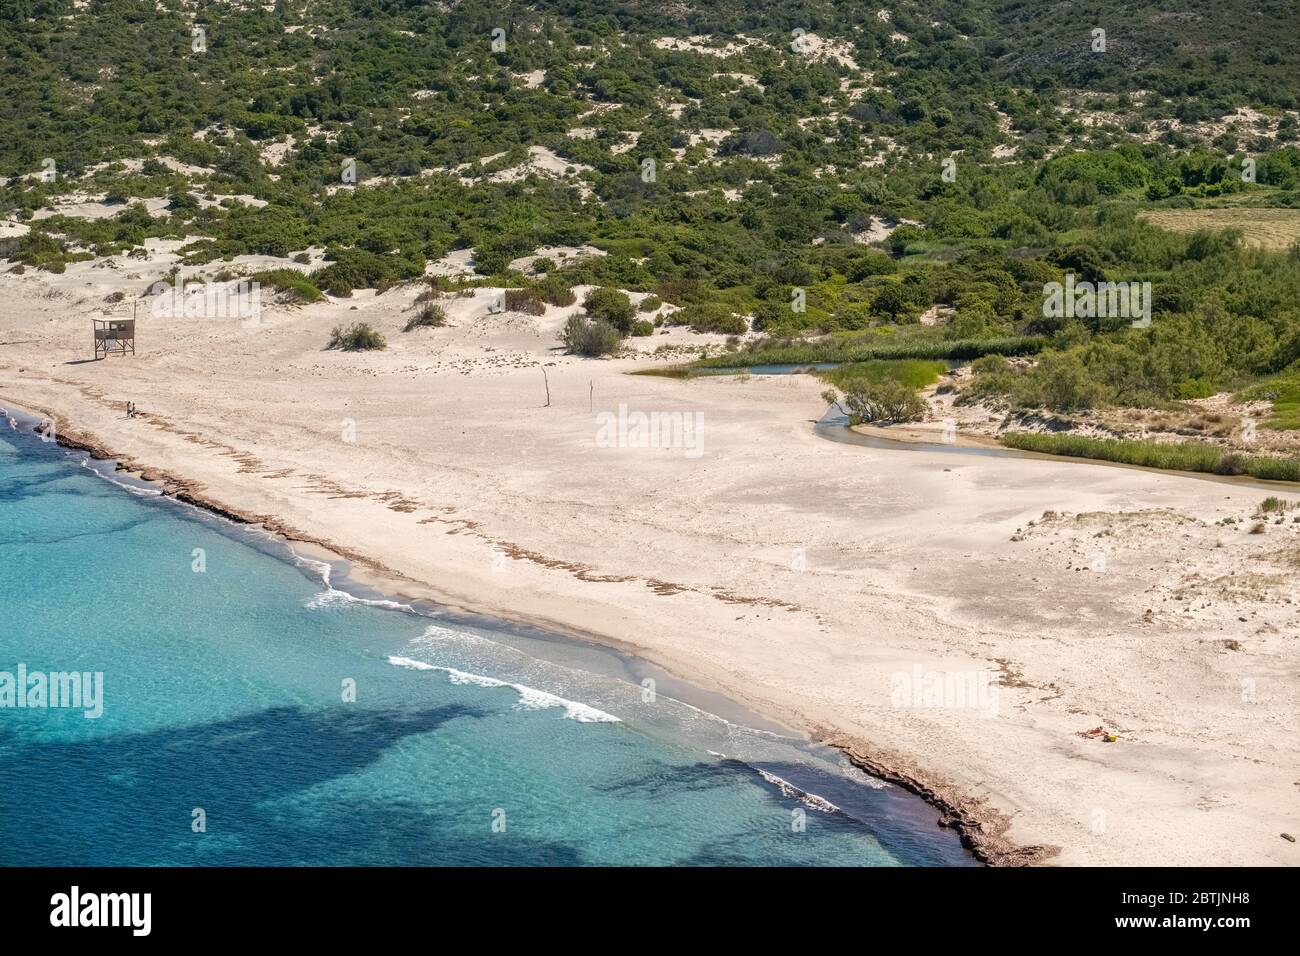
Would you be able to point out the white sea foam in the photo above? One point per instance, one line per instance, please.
(790, 790)
(135, 489)
(323, 599)
(413, 665)
(336, 598)
(437, 632)
(332, 596)
(529, 697)
(322, 568)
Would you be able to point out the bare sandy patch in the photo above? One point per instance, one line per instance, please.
(559, 255)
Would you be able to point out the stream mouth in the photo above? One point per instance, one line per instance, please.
(794, 368)
(834, 426)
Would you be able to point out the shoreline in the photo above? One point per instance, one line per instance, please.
(980, 828)
(781, 570)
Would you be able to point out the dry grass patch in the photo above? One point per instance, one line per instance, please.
(1270, 228)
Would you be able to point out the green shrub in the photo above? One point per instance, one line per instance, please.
(1060, 381)
(650, 303)
(488, 262)
(431, 315)
(643, 327)
(591, 337)
(883, 402)
(361, 269)
(610, 306)
(524, 300)
(871, 263)
(290, 282)
(357, 337)
(553, 290)
(181, 202)
(777, 318)
(709, 317)
(42, 251)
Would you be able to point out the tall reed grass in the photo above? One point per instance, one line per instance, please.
(810, 353)
(1174, 456)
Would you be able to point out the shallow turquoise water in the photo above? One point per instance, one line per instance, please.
(223, 690)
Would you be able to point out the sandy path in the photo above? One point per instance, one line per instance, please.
(793, 574)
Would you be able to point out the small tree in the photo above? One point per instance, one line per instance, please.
(885, 402)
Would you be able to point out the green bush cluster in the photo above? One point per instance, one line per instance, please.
(357, 337)
(590, 337)
(431, 315)
(612, 307)
(289, 282)
(524, 300)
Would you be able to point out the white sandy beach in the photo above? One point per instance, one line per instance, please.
(793, 574)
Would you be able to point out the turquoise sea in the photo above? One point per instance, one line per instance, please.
(230, 733)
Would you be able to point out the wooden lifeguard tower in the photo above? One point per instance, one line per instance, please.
(114, 337)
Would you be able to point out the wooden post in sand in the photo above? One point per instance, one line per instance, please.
(547, 382)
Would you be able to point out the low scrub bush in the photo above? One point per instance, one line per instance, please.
(357, 337)
(290, 282)
(554, 291)
(591, 337)
(431, 316)
(524, 300)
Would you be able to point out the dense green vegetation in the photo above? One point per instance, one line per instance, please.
(817, 212)
(1284, 392)
(868, 349)
(914, 373)
(1223, 316)
(1180, 456)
